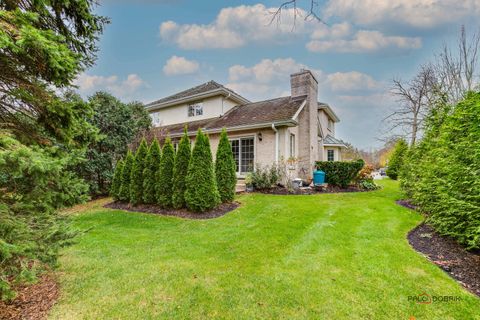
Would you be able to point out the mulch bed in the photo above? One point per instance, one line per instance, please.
(445, 252)
(33, 301)
(219, 211)
(330, 189)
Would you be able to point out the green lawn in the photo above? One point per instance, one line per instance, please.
(333, 256)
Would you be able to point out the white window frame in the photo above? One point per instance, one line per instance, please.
(328, 154)
(196, 109)
(292, 145)
(254, 137)
(330, 124)
(155, 116)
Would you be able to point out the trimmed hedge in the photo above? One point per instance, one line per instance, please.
(340, 173)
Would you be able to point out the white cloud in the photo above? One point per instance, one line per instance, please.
(180, 65)
(364, 41)
(88, 84)
(351, 81)
(413, 13)
(235, 27)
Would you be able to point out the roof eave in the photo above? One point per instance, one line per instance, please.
(329, 111)
(236, 97)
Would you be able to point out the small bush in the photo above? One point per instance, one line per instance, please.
(124, 193)
(117, 180)
(150, 173)
(225, 169)
(201, 192)
(266, 177)
(165, 175)
(340, 173)
(396, 161)
(180, 169)
(136, 183)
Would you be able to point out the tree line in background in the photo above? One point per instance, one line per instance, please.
(440, 169)
(187, 178)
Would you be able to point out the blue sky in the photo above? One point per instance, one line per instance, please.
(156, 48)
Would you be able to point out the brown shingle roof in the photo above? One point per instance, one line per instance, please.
(263, 112)
(204, 87)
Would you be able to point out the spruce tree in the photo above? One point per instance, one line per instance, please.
(201, 192)
(152, 165)
(124, 192)
(182, 159)
(165, 175)
(116, 180)
(136, 182)
(225, 170)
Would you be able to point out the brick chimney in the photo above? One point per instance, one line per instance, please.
(304, 83)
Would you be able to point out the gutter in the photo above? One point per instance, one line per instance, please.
(276, 142)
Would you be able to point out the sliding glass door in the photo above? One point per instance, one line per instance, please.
(244, 153)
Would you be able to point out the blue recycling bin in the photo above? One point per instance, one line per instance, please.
(318, 177)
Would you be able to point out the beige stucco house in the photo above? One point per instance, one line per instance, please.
(296, 129)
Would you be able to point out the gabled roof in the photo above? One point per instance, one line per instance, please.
(204, 90)
(324, 106)
(332, 141)
(279, 111)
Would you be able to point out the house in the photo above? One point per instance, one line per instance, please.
(296, 129)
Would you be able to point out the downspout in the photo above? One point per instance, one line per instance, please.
(276, 142)
(223, 102)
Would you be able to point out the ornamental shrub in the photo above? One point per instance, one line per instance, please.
(396, 160)
(443, 171)
(165, 175)
(124, 191)
(225, 169)
(201, 192)
(117, 180)
(136, 183)
(150, 173)
(340, 173)
(180, 169)
(266, 177)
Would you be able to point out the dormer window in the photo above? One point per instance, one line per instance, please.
(195, 110)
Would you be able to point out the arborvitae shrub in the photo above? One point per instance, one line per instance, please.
(124, 193)
(396, 161)
(201, 193)
(340, 173)
(136, 183)
(152, 165)
(165, 175)
(180, 169)
(117, 180)
(225, 169)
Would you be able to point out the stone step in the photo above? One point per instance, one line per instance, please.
(240, 186)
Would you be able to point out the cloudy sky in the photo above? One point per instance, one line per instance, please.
(156, 48)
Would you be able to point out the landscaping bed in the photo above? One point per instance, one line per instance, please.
(306, 191)
(218, 211)
(32, 301)
(462, 265)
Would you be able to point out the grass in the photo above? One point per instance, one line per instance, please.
(332, 256)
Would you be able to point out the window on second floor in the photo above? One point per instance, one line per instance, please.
(195, 110)
(330, 124)
(155, 118)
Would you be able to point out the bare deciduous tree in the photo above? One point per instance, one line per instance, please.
(310, 12)
(457, 72)
(414, 99)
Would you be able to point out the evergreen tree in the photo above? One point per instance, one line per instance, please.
(152, 165)
(117, 180)
(225, 170)
(396, 161)
(180, 169)
(136, 183)
(124, 193)
(201, 192)
(165, 175)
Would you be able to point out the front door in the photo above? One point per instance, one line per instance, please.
(244, 153)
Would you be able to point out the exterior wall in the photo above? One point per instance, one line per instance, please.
(323, 118)
(264, 151)
(212, 107)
